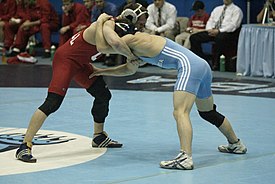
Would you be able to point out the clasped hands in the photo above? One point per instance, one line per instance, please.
(100, 71)
(213, 32)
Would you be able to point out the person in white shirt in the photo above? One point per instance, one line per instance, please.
(162, 19)
(223, 25)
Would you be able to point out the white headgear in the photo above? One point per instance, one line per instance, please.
(134, 14)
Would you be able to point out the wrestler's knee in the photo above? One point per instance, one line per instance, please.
(102, 95)
(213, 117)
(51, 104)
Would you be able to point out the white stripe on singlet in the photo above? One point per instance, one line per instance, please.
(185, 64)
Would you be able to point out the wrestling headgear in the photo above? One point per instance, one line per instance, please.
(124, 26)
(133, 15)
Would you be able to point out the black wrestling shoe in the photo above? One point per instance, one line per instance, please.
(24, 154)
(103, 141)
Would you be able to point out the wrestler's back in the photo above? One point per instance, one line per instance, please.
(77, 49)
(144, 44)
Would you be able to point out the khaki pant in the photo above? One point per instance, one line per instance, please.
(168, 34)
(183, 39)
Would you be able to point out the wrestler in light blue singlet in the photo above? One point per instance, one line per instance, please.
(194, 73)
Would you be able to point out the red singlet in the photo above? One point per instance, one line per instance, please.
(72, 61)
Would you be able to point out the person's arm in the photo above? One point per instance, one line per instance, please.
(170, 22)
(102, 45)
(150, 22)
(126, 69)
(110, 36)
(260, 15)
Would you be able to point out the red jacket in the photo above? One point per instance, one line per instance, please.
(77, 16)
(43, 11)
(7, 9)
(21, 12)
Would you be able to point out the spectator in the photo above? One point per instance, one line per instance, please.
(41, 17)
(102, 6)
(196, 24)
(89, 4)
(7, 11)
(270, 4)
(162, 19)
(222, 26)
(128, 2)
(75, 15)
(12, 26)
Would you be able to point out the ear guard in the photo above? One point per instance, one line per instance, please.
(133, 15)
(126, 28)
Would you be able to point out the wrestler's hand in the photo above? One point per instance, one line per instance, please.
(96, 72)
(104, 17)
(134, 62)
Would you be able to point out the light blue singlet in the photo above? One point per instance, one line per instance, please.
(194, 73)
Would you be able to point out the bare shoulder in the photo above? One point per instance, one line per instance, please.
(89, 33)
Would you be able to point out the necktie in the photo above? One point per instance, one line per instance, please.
(219, 23)
(159, 18)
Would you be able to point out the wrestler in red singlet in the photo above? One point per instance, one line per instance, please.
(72, 61)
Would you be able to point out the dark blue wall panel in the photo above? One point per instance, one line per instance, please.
(184, 6)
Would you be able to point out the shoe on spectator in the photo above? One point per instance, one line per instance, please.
(182, 161)
(237, 148)
(103, 141)
(14, 52)
(26, 58)
(24, 154)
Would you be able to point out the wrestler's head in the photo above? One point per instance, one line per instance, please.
(124, 26)
(137, 14)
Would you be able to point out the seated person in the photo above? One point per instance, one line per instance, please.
(196, 24)
(270, 5)
(221, 28)
(128, 2)
(75, 15)
(102, 6)
(12, 26)
(89, 4)
(41, 17)
(162, 19)
(7, 11)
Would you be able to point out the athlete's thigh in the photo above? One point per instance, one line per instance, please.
(82, 77)
(205, 105)
(63, 72)
(183, 100)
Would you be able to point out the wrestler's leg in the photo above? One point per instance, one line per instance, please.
(62, 75)
(97, 88)
(207, 111)
(206, 106)
(183, 102)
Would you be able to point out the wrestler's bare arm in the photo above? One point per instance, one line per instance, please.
(126, 69)
(101, 44)
(118, 44)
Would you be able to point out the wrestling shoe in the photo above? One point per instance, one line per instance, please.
(103, 141)
(24, 154)
(182, 161)
(237, 148)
